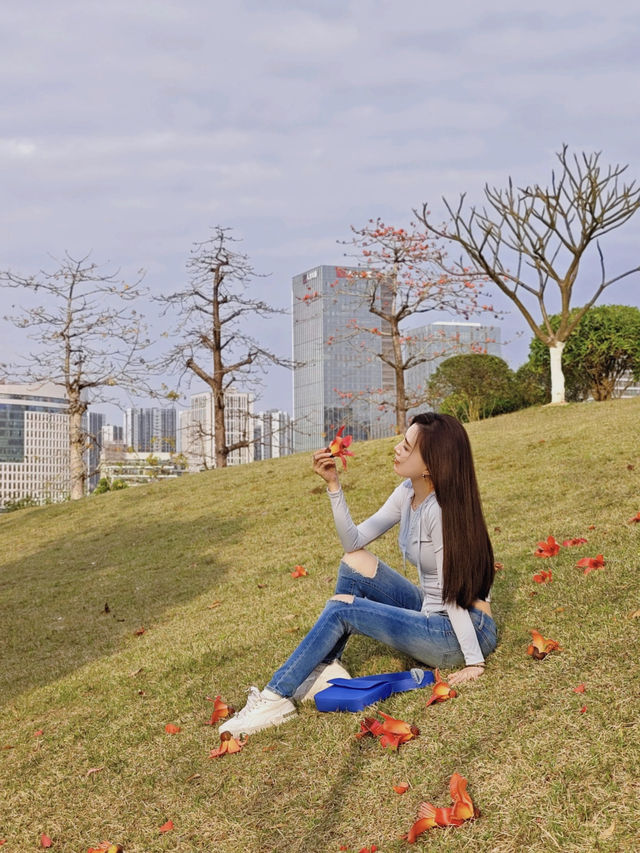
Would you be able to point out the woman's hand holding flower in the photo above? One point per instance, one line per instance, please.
(324, 465)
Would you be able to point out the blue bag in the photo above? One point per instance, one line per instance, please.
(354, 694)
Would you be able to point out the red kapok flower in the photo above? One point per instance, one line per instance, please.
(440, 691)
(220, 710)
(571, 543)
(543, 577)
(635, 519)
(166, 827)
(299, 572)
(541, 646)
(228, 745)
(591, 563)
(45, 841)
(394, 732)
(172, 729)
(401, 788)
(454, 815)
(391, 733)
(338, 447)
(549, 548)
(579, 689)
(369, 726)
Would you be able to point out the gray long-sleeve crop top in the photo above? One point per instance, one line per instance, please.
(420, 540)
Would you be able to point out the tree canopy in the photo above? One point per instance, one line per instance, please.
(474, 386)
(603, 351)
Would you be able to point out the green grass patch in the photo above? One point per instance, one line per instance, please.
(78, 580)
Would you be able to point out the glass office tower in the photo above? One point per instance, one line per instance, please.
(436, 342)
(337, 378)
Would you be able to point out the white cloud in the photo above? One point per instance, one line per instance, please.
(131, 128)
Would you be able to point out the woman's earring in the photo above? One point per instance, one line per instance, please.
(425, 476)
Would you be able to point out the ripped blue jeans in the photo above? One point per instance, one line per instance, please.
(387, 608)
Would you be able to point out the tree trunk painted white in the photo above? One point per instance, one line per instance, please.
(557, 376)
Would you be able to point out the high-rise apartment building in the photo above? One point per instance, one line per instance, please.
(34, 443)
(150, 430)
(439, 341)
(272, 435)
(337, 374)
(197, 432)
(112, 434)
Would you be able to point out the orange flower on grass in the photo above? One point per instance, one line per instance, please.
(543, 577)
(338, 447)
(299, 572)
(635, 519)
(591, 563)
(571, 543)
(106, 847)
(579, 689)
(430, 816)
(228, 745)
(166, 827)
(391, 733)
(441, 691)
(220, 710)
(548, 548)
(401, 788)
(172, 729)
(541, 646)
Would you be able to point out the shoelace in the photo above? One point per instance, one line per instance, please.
(252, 701)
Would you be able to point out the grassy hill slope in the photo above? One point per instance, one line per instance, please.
(203, 564)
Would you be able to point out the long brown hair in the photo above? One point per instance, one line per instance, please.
(468, 566)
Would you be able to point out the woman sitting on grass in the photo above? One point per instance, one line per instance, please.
(445, 621)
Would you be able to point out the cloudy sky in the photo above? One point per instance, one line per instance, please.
(130, 128)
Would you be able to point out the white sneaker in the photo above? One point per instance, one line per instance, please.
(260, 712)
(318, 679)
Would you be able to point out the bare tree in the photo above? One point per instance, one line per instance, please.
(213, 344)
(90, 339)
(530, 242)
(400, 276)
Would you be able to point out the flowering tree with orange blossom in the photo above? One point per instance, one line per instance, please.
(400, 274)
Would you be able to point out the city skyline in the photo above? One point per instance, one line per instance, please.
(125, 135)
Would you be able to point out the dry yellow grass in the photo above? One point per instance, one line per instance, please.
(543, 775)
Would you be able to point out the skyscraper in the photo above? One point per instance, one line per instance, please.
(337, 372)
(150, 430)
(442, 340)
(112, 434)
(272, 435)
(197, 433)
(34, 443)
